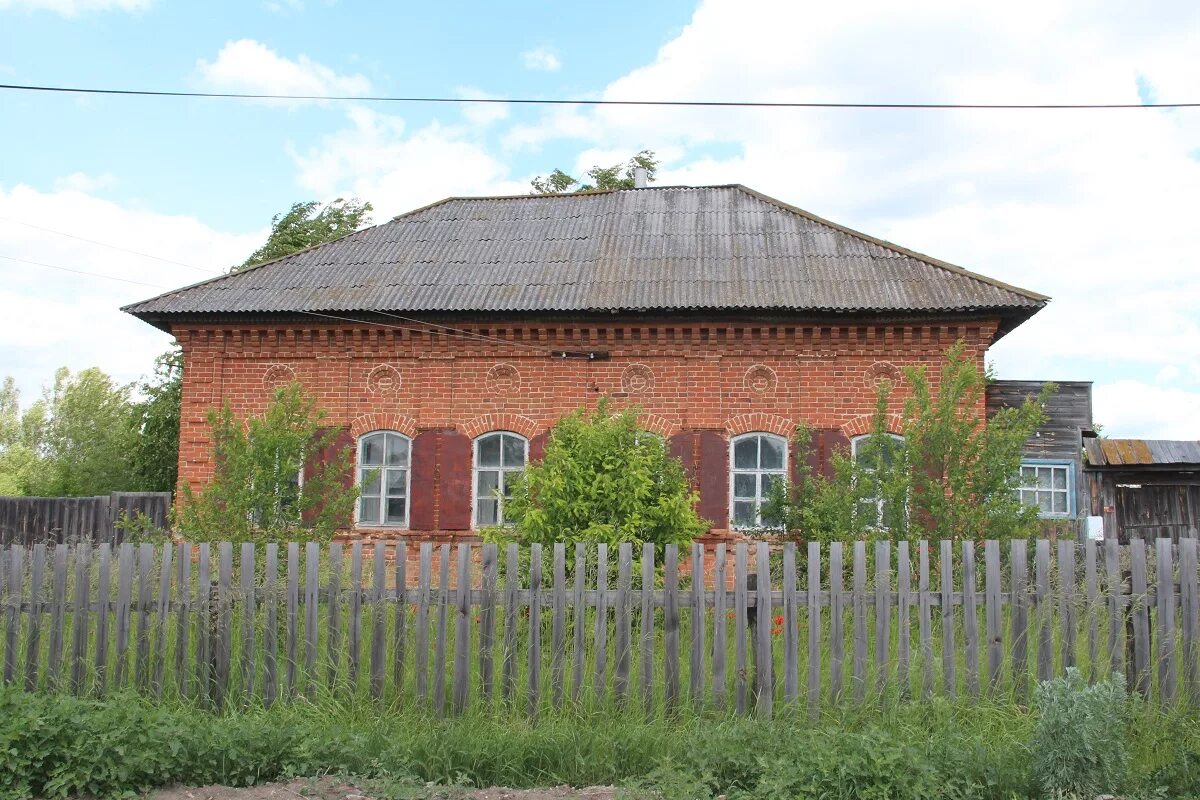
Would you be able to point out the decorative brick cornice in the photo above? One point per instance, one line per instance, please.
(501, 421)
(662, 426)
(865, 423)
(399, 423)
(760, 422)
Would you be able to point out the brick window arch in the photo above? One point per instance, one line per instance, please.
(383, 475)
(500, 456)
(756, 461)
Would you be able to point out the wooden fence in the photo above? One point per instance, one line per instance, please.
(746, 629)
(28, 520)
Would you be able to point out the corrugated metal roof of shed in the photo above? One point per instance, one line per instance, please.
(1142, 452)
(663, 248)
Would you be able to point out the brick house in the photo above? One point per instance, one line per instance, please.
(446, 342)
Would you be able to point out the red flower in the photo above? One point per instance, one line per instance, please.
(778, 619)
(776, 631)
(729, 615)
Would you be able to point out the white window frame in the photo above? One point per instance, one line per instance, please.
(502, 478)
(383, 468)
(758, 472)
(878, 502)
(1051, 464)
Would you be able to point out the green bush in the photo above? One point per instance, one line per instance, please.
(1080, 745)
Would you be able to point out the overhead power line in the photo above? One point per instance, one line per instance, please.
(111, 246)
(586, 102)
(80, 271)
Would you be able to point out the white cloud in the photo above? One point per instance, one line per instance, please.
(54, 318)
(1095, 208)
(246, 65)
(541, 59)
(71, 8)
(83, 182)
(377, 158)
(481, 114)
(1132, 409)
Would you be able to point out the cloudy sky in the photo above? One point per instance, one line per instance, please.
(1099, 209)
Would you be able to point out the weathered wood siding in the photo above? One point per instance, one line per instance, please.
(33, 520)
(1069, 410)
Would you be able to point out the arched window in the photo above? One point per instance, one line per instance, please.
(872, 452)
(757, 461)
(383, 459)
(499, 457)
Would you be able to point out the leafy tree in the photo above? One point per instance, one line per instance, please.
(618, 176)
(952, 476)
(307, 224)
(257, 493)
(603, 479)
(17, 454)
(156, 420)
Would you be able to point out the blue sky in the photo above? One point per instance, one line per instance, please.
(1096, 209)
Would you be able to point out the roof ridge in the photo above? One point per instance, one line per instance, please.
(579, 194)
(904, 251)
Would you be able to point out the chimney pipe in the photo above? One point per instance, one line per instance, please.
(639, 177)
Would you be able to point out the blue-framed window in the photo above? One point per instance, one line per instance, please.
(1049, 486)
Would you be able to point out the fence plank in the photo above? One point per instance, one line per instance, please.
(791, 644)
(1164, 588)
(224, 627)
(904, 618)
(720, 637)
(12, 611)
(535, 629)
(511, 583)
(312, 560)
(1116, 589)
(765, 660)
(33, 640)
(1141, 616)
(1066, 602)
(697, 626)
(970, 618)
(102, 599)
(145, 568)
(671, 628)
(271, 626)
(58, 606)
(883, 615)
(924, 614)
(487, 622)
(993, 619)
(292, 619)
(558, 633)
(333, 626)
(462, 632)
(247, 572)
(646, 648)
(949, 653)
(600, 628)
(203, 606)
(378, 618)
(837, 637)
(354, 628)
(1019, 565)
(859, 612)
(814, 628)
(79, 623)
(161, 614)
(624, 634)
(400, 625)
(578, 621)
(122, 620)
(439, 651)
(1045, 616)
(740, 610)
(421, 644)
(1189, 607)
(1093, 607)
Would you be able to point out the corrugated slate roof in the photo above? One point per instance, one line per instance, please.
(662, 248)
(1141, 452)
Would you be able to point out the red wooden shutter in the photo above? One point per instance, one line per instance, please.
(825, 442)
(714, 478)
(537, 446)
(455, 473)
(326, 455)
(422, 480)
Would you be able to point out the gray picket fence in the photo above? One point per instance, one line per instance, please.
(747, 628)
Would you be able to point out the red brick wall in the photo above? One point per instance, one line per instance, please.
(699, 384)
